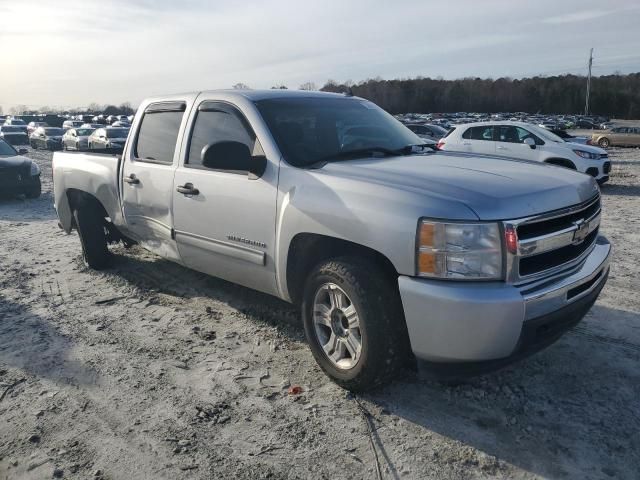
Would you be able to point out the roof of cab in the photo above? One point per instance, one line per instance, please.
(276, 93)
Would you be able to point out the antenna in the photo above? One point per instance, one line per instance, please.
(586, 102)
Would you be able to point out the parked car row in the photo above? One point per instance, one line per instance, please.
(551, 122)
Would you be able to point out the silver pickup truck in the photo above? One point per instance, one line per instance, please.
(393, 251)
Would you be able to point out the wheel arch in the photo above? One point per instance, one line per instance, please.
(307, 250)
(561, 162)
(77, 197)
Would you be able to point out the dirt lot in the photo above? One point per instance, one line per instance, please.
(149, 370)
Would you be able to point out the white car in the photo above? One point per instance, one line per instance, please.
(524, 141)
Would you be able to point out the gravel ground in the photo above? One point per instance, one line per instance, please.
(149, 370)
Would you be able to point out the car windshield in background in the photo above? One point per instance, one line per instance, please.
(17, 122)
(7, 150)
(11, 129)
(117, 132)
(84, 132)
(309, 130)
(53, 132)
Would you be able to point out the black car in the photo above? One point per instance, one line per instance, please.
(14, 135)
(49, 138)
(585, 124)
(18, 174)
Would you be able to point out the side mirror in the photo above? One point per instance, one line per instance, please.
(233, 156)
(102, 137)
(531, 142)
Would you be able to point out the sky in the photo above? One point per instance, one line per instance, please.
(71, 53)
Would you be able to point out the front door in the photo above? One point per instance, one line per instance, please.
(148, 178)
(510, 142)
(224, 219)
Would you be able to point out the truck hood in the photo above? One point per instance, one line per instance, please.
(493, 188)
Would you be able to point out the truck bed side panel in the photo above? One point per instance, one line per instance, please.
(94, 174)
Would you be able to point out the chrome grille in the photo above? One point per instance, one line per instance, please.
(553, 242)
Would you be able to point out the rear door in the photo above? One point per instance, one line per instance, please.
(226, 228)
(510, 142)
(479, 140)
(147, 176)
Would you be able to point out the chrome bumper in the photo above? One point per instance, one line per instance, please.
(473, 322)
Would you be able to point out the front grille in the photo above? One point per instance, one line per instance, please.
(554, 258)
(12, 176)
(606, 168)
(531, 230)
(549, 243)
(603, 156)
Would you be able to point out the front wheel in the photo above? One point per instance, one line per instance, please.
(93, 239)
(354, 323)
(604, 142)
(35, 190)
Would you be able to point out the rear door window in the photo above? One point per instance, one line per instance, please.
(158, 134)
(484, 132)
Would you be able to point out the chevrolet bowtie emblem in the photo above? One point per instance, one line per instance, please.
(581, 232)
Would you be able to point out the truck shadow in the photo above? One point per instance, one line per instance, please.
(31, 344)
(567, 411)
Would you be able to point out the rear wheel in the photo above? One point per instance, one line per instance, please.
(354, 323)
(93, 238)
(604, 142)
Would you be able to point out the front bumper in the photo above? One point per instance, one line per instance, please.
(16, 185)
(491, 322)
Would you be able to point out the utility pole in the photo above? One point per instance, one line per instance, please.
(586, 103)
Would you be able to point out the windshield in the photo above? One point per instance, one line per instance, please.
(545, 134)
(15, 121)
(7, 150)
(308, 130)
(10, 129)
(53, 132)
(84, 132)
(117, 132)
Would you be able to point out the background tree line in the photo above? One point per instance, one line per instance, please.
(616, 96)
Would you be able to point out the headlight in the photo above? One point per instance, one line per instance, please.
(35, 169)
(471, 251)
(589, 155)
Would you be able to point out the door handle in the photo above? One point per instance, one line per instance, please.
(131, 179)
(188, 189)
(466, 143)
(501, 148)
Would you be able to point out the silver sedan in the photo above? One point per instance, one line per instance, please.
(76, 139)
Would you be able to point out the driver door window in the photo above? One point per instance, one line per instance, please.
(218, 124)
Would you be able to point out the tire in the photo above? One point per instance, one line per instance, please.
(90, 224)
(371, 299)
(604, 142)
(35, 191)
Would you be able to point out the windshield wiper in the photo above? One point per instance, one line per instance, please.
(354, 154)
(371, 152)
